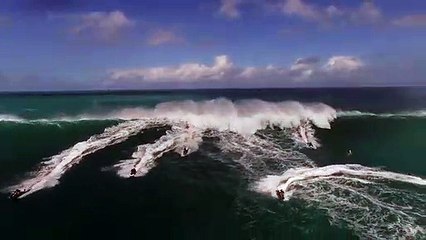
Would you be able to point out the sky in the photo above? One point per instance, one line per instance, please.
(48, 45)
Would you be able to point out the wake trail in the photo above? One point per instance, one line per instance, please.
(374, 203)
(180, 139)
(293, 177)
(52, 170)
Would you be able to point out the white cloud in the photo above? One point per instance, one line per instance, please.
(187, 72)
(103, 25)
(229, 8)
(223, 69)
(343, 64)
(160, 36)
(418, 20)
(304, 68)
(301, 9)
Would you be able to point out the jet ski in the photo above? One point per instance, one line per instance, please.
(185, 151)
(280, 194)
(16, 194)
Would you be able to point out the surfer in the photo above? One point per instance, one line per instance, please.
(133, 172)
(349, 153)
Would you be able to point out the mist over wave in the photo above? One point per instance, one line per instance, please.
(245, 116)
(10, 118)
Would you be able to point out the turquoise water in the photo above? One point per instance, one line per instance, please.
(207, 194)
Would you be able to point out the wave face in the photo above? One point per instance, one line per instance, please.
(267, 141)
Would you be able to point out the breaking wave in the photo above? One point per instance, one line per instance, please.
(265, 139)
(10, 118)
(246, 116)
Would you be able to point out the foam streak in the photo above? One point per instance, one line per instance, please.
(144, 158)
(51, 171)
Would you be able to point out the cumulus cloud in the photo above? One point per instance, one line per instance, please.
(229, 8)
(102, 25)
(418, 20)
(161, 36)
(303, 68)
(187, 72)
(343, 64)
(223, 69)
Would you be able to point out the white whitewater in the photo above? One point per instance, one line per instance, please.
(304, 135)
(51, 171)
(374, 203)
(292, 178)
(144, 158)
(243, 117)
(370, 201)
(10, 118)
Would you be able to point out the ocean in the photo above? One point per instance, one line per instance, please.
(208, 164)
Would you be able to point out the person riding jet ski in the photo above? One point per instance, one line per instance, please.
(16, 194)
(280, 194)
(133, 172)
(185, 150)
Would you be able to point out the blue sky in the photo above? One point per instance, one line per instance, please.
(74, 45)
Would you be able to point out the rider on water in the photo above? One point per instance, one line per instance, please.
(185, 150)
(16, 194)
(280, 194)
(133, 171)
